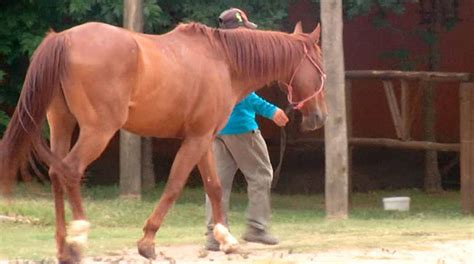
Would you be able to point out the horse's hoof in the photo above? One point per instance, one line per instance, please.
(66, 262)
(72, 254)
(227, 242)
(229, 248)
(146, 249)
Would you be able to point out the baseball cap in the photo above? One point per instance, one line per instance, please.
(233, 18)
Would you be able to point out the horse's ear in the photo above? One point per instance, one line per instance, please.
(314, 36)
(298, 28)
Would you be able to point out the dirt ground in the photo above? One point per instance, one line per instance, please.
(439, 253)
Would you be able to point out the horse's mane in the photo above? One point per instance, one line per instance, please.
(255, 53)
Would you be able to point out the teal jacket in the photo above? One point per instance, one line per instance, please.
(242, 118)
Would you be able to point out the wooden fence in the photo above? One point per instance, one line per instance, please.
(399, 110)
(401, 120)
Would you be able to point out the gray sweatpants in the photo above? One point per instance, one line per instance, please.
(247, 152)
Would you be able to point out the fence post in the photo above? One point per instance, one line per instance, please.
(350, 148)
(335, 129)
(405, 109)
(466, 94)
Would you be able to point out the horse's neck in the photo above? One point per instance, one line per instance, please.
(244, 87)
(254, 79)
(242, 83)
(255, 82)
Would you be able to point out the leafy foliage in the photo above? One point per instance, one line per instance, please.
(2, 75)
(25, 22)
(353, 8)
(4, 119)
(268, 14)
(401, 57)
(433, 19)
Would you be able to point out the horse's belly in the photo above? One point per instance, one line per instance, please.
(154, 123)
(158, 130)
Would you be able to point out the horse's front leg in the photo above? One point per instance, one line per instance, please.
(212, 186)
(190, 152)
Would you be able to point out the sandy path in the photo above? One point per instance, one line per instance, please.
(439, 253)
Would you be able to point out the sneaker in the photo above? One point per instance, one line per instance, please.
(259, 236)
(211, 242)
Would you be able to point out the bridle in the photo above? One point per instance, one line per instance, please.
(299, 104)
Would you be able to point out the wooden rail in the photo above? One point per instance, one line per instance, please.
(412, 75)
(387, 143)
(401, 121)
(402, 125)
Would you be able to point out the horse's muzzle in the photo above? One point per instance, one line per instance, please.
(313, 121)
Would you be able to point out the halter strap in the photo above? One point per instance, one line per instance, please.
(299, 104)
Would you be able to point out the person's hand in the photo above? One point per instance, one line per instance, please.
(280, 118)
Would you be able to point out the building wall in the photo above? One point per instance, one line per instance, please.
(364, 46)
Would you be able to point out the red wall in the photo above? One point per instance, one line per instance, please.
(363, 46)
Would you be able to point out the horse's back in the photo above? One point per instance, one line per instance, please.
(123, 76)
(102, 69)
(179, 77)
(94, 43)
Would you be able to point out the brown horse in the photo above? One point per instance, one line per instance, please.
(182, 84)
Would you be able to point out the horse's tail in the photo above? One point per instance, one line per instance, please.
(23, 135)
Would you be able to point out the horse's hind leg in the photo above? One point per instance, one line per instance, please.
(212, 187)
(190, 152)
(61, 123)
(90, 144)
(66, 176)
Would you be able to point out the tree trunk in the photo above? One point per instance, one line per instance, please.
(130, 144)
(133, 15)
(148, 174)
(432, 179)
(336, 143)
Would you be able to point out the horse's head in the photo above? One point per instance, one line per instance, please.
(306, 83)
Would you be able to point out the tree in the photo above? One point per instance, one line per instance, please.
(130, 144)
(436, 16)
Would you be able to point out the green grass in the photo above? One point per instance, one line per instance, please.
(299, 221)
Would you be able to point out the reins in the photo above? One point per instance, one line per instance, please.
(283, 138)
(297, 106)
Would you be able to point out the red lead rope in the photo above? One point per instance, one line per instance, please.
(299, 104)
